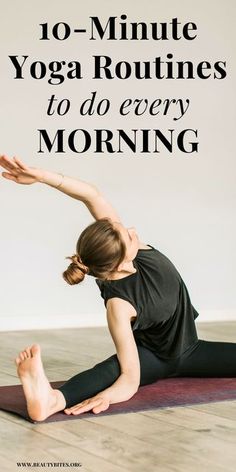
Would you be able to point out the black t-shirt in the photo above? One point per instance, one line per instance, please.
(165, 316)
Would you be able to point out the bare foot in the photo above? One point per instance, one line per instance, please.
(42, 400)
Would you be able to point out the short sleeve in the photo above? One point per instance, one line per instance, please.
(108, 292)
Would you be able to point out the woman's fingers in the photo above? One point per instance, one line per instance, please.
(18, 171)
(9, 176)
(14, 165)
(5, 164)
(8, 163)
(102, 407)
(20, 163)
(83, 407)
(11, 168)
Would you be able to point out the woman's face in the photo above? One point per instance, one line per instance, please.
(130, 239)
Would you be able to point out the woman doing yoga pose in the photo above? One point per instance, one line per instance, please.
(149, 312)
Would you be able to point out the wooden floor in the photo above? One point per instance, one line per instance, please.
(182, 439)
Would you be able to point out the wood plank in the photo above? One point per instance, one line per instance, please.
(172, 439)
(26, 443)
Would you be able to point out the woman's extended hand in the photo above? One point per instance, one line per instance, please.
(96, 404)
(19, 172)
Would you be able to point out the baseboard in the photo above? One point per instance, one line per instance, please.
(216, 315)
(20, 322)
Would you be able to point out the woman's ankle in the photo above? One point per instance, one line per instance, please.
(58, 402)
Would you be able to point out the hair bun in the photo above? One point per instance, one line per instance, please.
(76, 259)
(76, 270)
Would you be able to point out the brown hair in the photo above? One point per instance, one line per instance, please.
(99, 251)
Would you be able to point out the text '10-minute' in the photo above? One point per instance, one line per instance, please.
(115, 28)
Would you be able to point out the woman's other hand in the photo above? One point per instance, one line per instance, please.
(19, 172)
(96, 404)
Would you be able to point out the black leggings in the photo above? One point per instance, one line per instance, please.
(202, 359)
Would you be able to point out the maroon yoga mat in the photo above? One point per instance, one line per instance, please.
(170, 392)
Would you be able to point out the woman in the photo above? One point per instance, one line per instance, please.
(149, 312)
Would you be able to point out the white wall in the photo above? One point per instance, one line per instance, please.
(182, 204)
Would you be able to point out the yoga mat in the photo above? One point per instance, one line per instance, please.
(170, 392)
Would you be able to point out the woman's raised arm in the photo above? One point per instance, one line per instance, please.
(87, 193)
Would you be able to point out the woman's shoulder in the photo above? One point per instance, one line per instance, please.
(144, 246)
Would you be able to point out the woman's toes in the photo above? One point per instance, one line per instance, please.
(28, 351)
(21, 355)
(17, 360)
(35, 349)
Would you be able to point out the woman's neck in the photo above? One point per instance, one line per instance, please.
(128, 270)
